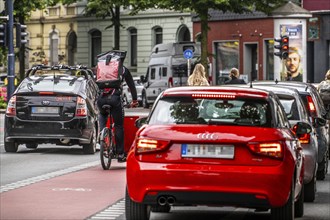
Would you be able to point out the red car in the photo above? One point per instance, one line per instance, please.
(225, 146)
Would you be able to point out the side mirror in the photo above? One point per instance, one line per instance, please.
(140, 122)
(142, 78)
(302, 128)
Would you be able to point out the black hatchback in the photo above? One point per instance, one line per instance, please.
(54, 105)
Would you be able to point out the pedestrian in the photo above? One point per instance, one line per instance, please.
(198, 77)
(234, 77)
(324, 89)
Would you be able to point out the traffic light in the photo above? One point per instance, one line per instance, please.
(3, 35)
(282, 47)
(20, 34)
(285, 47)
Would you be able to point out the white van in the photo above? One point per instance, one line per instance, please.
(167, 68)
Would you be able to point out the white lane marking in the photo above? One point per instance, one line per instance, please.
(46, 176)
(112, 212)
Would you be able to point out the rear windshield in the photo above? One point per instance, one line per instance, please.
(187, 110)
(51, 83)
(290, 108)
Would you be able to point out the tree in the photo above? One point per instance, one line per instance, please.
(22, 10)
(201, 8)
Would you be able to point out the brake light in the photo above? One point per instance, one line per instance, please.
(170, 82)
(46, 93)
(311, 106)
(11, 107)
(272, 149)
(148, 145)
(81, 109)
(221, 96)
(304, 139)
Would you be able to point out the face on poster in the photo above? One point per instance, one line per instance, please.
(293, 64)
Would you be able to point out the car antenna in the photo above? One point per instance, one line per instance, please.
(251, 84)
(276, 81)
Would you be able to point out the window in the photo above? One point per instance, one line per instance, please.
(164, 72)
(227, 57)
(95, 39)
(269, 62)
(214, 111)
(153, 73)
(133, 46)
(71, 10)
(52, 11)
(158, 35)
(72, 47)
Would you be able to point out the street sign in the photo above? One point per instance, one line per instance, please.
(188, 54)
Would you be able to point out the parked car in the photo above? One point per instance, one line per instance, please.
(127, 96)
(295, 111)
(318, 114)
(226, 146)
(54, 105)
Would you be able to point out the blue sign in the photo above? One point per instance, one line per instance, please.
(188, 54)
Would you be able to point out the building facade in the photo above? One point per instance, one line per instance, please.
(62, 34)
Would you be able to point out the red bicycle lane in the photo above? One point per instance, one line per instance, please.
(73, 196)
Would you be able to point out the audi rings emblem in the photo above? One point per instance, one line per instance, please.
(207, 136)
(45, 102)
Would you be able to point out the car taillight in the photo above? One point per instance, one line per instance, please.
(144, 145)
(11, 107)
(170, 82)
(221, 96)
(272, 149)
(311, 106)
(304, 139)
(81, 109)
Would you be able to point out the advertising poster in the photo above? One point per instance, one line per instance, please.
(293, 64)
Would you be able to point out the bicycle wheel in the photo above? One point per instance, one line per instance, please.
(105, 154)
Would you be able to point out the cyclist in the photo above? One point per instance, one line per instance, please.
(112, 97)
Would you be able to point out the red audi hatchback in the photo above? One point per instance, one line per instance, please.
(225, 146)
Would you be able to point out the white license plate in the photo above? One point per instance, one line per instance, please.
(44, 110)
(207, 151)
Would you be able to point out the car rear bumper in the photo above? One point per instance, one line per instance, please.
(205, 184)
(79, 129)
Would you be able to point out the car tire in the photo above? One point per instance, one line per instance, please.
(11, 147)
(161, 209)
(145, 103)
(299, 204)
(91, 147)
(285, 212)
(310, 190)
(134, 210)
(31, 145)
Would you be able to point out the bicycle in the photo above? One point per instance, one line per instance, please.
(107, 142)
(108, 149)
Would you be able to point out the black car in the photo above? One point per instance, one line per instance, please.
(54, 105)
(318, 114)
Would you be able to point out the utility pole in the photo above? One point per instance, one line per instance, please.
(11, 55)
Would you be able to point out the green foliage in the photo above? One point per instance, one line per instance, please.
(3, 104)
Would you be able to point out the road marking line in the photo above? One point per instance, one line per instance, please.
(112, 212)
(29, 181)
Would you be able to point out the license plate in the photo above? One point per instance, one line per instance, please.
(207, 151)
(44, 110)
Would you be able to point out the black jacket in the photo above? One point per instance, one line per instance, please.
(234, 80)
